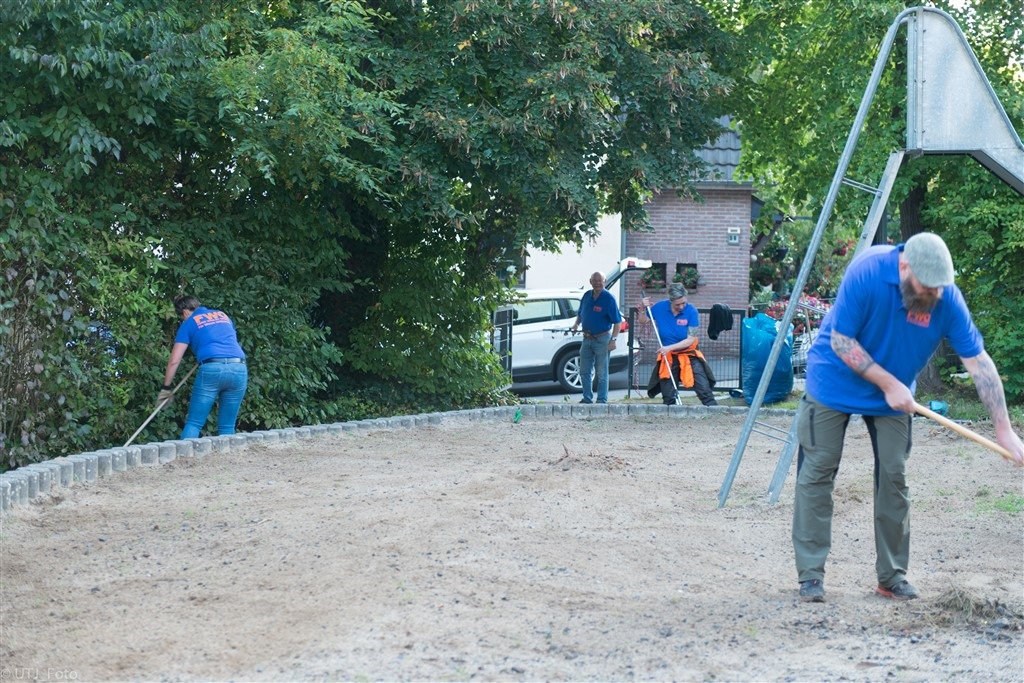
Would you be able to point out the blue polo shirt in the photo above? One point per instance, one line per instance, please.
(210, 334)
(598, 315)
(869, 308)
(675, 328)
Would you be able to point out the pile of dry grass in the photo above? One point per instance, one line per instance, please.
(957, 607)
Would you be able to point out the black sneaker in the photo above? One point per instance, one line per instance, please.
(901, 590)
(812, 591)
(585, 401)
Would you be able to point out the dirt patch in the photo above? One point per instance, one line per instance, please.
(540, 550)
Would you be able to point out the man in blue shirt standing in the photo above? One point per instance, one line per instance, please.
(895, 304)
(599, 315)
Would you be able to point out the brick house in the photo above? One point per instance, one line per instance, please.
(712, 234)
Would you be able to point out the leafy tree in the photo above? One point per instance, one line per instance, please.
(799, 83)
(521, 122)
(344, 178)
(86, 88)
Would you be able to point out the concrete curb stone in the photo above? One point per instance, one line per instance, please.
(255, 437)
(150, 454)
(33, 482)
(166, 452)
(200, 447)
(132, 456)
(86, 467)
(67, 471)
(271, 436)
(21, 486)
(220, 443)
(44, 477)
(118, 459)
(542, 410)
(18, 483)
(103, 464)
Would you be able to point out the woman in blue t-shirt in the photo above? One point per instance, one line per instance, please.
(223, 375)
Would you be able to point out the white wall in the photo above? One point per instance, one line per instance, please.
(570, 269)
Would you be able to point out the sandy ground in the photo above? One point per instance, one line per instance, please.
(584, 549)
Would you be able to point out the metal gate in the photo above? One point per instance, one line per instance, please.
(501, 336)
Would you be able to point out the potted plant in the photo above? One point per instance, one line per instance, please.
(689, 277)
(653, 278)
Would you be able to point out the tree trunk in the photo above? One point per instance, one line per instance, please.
(929, 380)
(910, 213)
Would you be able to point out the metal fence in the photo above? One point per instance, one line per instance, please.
(722, 354)
(501, 336)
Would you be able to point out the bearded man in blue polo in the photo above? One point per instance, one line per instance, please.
(895, 304)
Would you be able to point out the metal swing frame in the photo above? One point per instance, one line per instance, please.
(941, 119)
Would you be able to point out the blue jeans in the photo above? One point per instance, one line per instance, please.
(594, 356)
(221, 383)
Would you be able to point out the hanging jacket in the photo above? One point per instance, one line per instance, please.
(720, 319)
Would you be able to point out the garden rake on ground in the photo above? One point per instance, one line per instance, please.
(160, 406)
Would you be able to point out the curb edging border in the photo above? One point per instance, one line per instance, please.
(24, 485)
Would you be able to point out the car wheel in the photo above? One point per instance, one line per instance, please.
(567, 371)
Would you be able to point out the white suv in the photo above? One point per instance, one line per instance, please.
(543, 348)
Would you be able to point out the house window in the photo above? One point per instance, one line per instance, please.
(688, 275)
(654, 277)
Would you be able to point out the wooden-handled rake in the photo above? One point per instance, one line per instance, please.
(960, 429)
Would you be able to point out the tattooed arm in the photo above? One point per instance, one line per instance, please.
(897, 394)
(990, 391)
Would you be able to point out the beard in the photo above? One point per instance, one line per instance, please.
(914, 302)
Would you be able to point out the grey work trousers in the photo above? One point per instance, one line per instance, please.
(820, 431)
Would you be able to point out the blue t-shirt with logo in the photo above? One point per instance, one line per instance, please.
(869, 308)
(210, 334)
(675, 328)
(597, 315)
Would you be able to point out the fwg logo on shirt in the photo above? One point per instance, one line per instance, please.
(919, 319)
(597, 309)
(210, 318)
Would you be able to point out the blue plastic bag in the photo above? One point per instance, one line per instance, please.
(759, 335)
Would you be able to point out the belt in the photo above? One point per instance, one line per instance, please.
(587, 335)
(222, 360)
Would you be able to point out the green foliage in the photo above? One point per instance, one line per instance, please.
(1009, 503)
(77, 73)
(344, 179)
(688, 276)
(985, 222)
(800, 79)
(654, 277)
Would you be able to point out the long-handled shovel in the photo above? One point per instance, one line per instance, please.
(657, 338)
(960, 429)
(160, 406)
